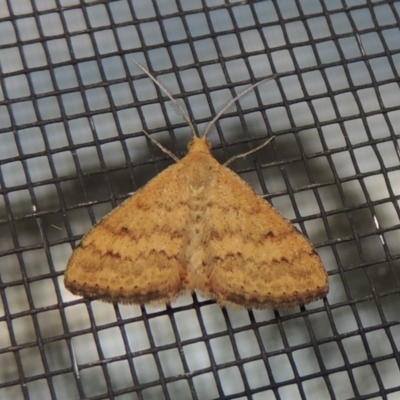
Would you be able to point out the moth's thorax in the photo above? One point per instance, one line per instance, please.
(200, 166)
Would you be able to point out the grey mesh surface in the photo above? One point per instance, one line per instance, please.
(72, 110)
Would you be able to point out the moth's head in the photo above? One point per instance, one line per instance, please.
(199, 145)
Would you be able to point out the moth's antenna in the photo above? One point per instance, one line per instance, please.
(176, 104)
(232, 102)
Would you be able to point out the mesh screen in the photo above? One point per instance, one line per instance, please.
(72, 110)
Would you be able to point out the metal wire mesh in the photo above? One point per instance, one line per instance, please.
(72, 112)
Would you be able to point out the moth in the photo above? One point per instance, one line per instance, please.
(197, 226)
